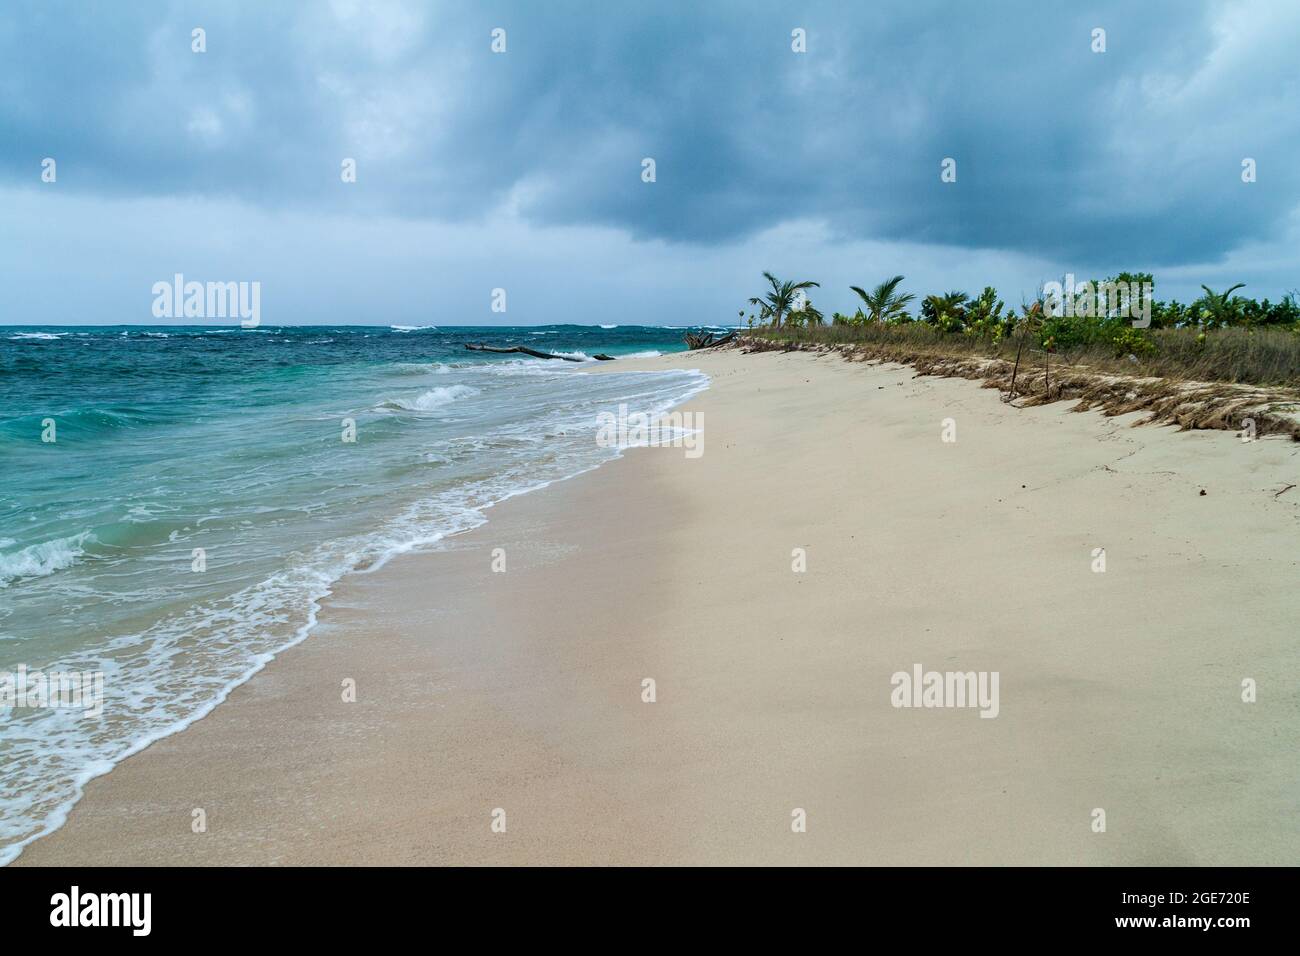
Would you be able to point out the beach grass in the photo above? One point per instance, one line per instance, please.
(1265, 356)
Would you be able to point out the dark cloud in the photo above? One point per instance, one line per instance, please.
(1129, 156)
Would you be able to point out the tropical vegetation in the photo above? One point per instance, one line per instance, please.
(1221, 335)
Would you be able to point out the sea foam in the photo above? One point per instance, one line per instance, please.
(431, 400)
(38, 560)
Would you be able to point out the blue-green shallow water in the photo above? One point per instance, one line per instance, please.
(171, 439)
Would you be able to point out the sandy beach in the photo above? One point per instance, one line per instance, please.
(478, 690)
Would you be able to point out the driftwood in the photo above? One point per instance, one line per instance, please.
(473, 347)
(707, 341)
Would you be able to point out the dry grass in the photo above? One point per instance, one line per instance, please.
(1166, 399)
(1264, 356)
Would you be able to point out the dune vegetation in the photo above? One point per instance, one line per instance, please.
(1211, 363)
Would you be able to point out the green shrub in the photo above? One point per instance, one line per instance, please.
(1127, 340)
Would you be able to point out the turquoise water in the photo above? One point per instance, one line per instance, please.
(168, 440)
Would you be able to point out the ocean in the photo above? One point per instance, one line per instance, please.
(176, 501)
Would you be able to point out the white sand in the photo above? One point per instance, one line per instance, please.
(1118, 690)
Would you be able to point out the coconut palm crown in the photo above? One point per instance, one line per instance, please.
(884, 302)
(777, 303)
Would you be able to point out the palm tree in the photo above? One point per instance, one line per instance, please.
(1220, 307)
(946, 311)
(884, 302)
(779, 301)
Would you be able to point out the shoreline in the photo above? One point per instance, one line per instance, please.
(522, 691)
(11, 852)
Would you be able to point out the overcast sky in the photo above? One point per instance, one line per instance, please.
(522, 170)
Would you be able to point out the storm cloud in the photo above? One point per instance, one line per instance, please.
(1065, 158)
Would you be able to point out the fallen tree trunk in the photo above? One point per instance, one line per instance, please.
(525, 350)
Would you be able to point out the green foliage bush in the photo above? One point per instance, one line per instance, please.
(1127, 340)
